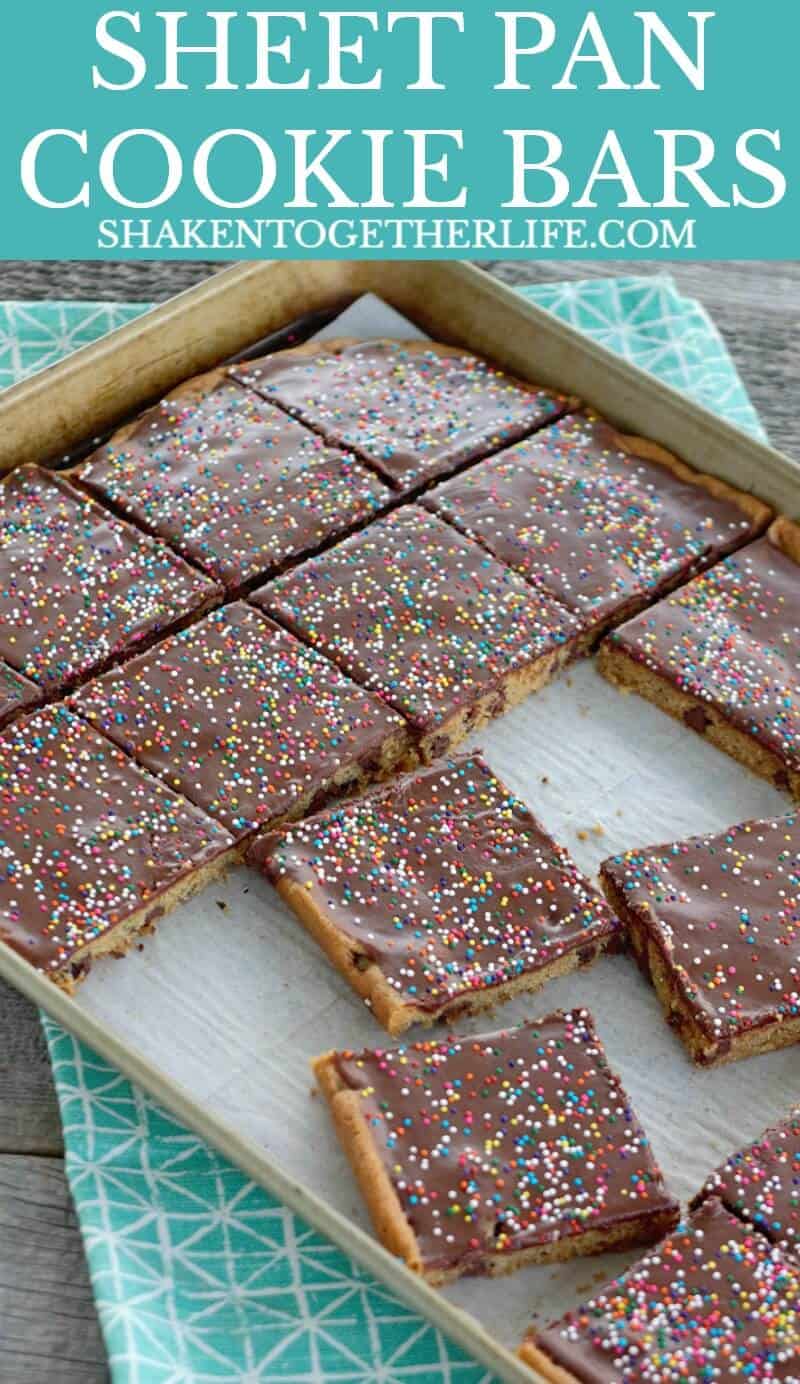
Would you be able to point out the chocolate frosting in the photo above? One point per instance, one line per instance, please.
(78, 587)
(414, 413)
(508, 1140)
(16, 694)
(238, 716)
(597, 526)
(714, 1301)
(731, 638)
(422, 614)
(88, 838)
(761, 1184)
(445, 879)
(724, 912)
(233, 483)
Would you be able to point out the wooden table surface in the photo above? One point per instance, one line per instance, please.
(48, 1325)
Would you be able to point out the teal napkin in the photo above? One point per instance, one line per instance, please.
(199, 1275)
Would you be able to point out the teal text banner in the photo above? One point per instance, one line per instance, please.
(438, 130)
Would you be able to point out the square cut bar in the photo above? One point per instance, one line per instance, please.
(438, 894)
(79, 588)
(414, 410)
(244, 720)
(232, 482)
(427, 618)
(478, 1155)
(761, 1184)
(715, 1302)
(95, 851)
(715, 923)
(606, 523)
(723, 655)
(17, 694)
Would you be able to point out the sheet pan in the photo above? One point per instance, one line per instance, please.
(219, 1013)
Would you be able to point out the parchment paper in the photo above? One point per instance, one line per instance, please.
(232, 998)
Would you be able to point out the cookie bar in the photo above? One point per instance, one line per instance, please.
(232, 482)
(438, 894)
(723, 655)
(761, 1184)
(715, 1301)
(715, 923)
(95, 851)
(414, 410)
(426, 618)
(17, 694)
(80, 588)
(478, 1155)
(605, 523)
(244, 720)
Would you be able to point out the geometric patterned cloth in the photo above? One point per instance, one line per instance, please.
(35, 335)
(651, 324)
(200, 1276)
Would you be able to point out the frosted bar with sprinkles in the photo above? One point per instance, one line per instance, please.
(716, 1303)
(603, 522)
(244, 720)
(80, 588)
(438, 894)
(94, 850)
(481, 1154)
(723, 655)
(415, 411)
(424, 616)
(761, 1184)
(232, 482)
(715, 922)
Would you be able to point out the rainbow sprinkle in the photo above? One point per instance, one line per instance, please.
(446, 881)
(413, 413)
(241, 718)
(714, 1303)
(505, 1141)
(420, 614)
(233, 483)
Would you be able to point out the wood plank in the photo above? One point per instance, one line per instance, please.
(48, 1323)
(29, 1120)
(147, 281)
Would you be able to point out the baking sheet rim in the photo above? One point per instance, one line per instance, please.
(333, 281)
